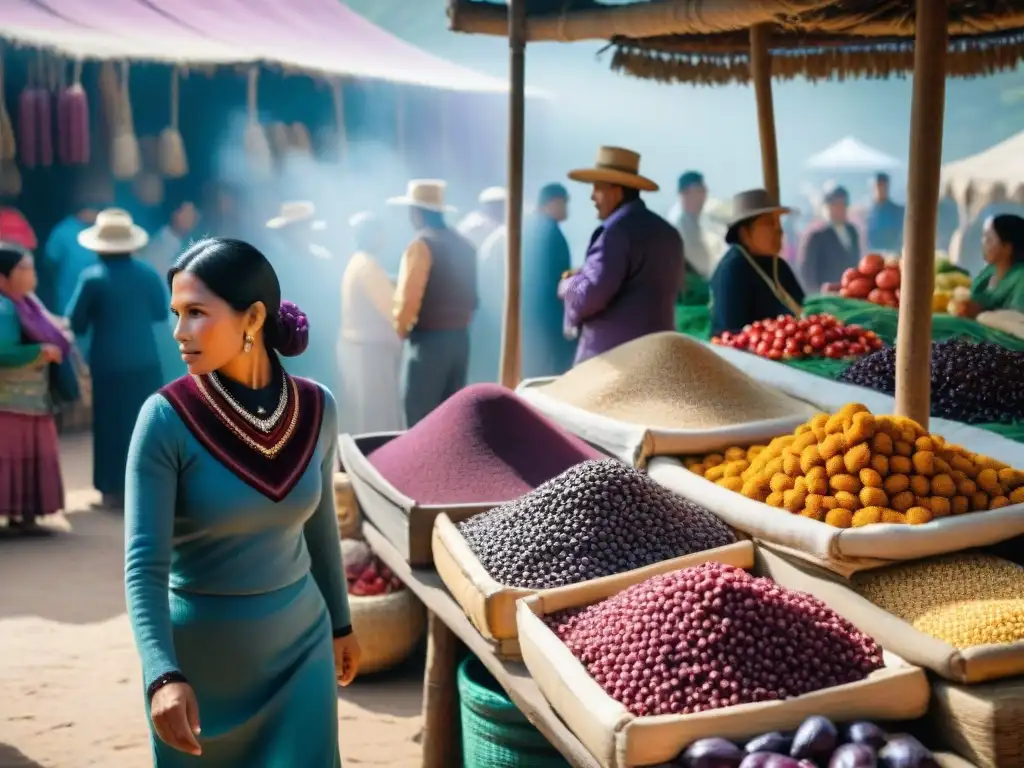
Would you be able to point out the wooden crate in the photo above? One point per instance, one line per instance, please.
(619, 739)
(404, 522)
(491, 606)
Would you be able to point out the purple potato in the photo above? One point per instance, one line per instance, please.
(854, 756)
(757, 759)
(904, 751)
(815, 739)
(863, 732)
(807, 764)
(713, 753)
(775, 741)
(782, 761)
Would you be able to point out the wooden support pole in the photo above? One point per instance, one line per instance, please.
(442, 747)
(914, 333)
(511, 327)
(761, 76)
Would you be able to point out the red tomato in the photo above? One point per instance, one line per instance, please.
(800, 336)
(779, 343)
(815, 329)
(857, 349)
(830, 335)
(808, 350)
(780, 334)
(871, 264)
(817, 341)
(775, 354)
(888, 279)
(762, 348)
(848, 277)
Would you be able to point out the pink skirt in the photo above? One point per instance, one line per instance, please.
(30, 479)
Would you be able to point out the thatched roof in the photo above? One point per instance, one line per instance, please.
(708, 41)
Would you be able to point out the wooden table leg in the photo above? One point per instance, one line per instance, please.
(442, 745)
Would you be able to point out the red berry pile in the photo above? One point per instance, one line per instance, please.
(795, 338)
(366, 575)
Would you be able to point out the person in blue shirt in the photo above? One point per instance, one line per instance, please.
(885, 218)
(752, 282)
(233, 570)
(118, 300)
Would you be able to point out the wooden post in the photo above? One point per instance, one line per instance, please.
(761, 76)
(511, 327)
(442, 747)
(914, 343)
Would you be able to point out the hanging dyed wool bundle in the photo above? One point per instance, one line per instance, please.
(257, 148)
(300, 142)
(126, 158)
(110, 98)
(27, 126)
(8, 145)
(173, 159)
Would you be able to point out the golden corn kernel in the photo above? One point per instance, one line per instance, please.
(873, 497)
(880, 464)
(810, 458)
(998, 501)
(900, 465)
(939, 506)
(715, 473)
(903, 501)
(918, 516)
(871, 478)
(867, 516)
(847, 483)
(732, 483)
(839, 517)
(903, 448)
(735, 453)
(835, 465)
(713, 459)
(848, 500)
(960, 505)
(896, 484)
(893, 516)
(774, 499)
(857, 458)
(881, 443)
(943, 485)
(781, 482)
(920, 485)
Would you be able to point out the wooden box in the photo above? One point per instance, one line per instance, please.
(619, 739)
(407, 524)
(491, 606)
(963, 665)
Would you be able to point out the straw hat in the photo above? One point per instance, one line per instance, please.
(492, 195)
(294, 212)
(751, 204)
(616, 166)
(113, 232)
(427, 194)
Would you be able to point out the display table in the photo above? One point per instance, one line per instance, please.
(447, 625)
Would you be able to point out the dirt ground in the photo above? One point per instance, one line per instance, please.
(69, 678)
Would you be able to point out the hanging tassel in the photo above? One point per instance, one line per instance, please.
(27, 130)
(173, 160)
(149, 188)
(299, 141)
(73, 129)
(257, 148)
(110, 98)
(8, 145)
(278, 139)
(44, 111)
(10, 179)
(341, 135)
(126, 158)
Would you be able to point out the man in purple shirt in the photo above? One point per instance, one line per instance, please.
(634, 268)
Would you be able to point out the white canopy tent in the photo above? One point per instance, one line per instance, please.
(1001, 163)
(852, 155)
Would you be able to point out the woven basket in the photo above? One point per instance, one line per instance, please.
(495, 734)
(388, 628)
(984, 723)
(346, 507)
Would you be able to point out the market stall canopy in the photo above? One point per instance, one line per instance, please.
(314, 36)
(1002, 163)
(851, 154)
(708, 41)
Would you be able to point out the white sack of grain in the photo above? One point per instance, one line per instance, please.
(663, 395)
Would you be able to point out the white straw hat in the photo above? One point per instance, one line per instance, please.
(616, 165)
(427, 194)
(492, 195)
(294, 212)
(113, 232)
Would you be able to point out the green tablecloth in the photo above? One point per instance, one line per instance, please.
(694, 321)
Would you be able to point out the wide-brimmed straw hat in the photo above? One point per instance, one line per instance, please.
(749, 205)
(113, 232)
(427, 194)
(294, 212)
(616, 165)
(492, 195)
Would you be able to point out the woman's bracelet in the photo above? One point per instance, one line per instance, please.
(165, 679)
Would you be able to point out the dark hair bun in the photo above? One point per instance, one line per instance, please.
(292, 335)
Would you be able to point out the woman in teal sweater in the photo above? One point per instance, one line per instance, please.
(1000, 285)
(233, 570)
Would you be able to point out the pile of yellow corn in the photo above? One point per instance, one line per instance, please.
(853, 469)
(967, 599)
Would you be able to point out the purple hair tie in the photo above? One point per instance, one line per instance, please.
(293, 325)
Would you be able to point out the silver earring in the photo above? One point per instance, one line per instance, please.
(247, 344)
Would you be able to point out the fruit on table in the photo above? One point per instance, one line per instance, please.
(707, 637)
(595, 519)
(793, 338)
(875, 279)
(833, 747)
(853, 469)
(971, 382)
(365, 574)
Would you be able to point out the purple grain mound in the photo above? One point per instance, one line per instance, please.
(483, 444)
(713, 636)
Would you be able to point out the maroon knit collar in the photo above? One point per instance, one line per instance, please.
(271, 463)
